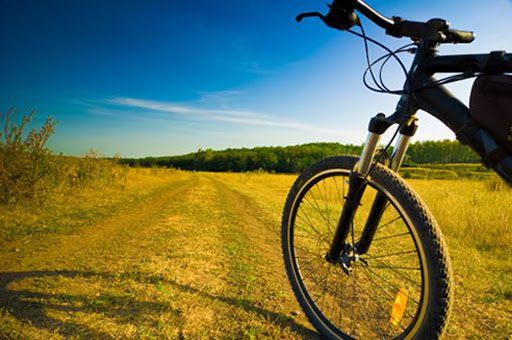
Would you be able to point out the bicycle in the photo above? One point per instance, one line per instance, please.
(364, 255)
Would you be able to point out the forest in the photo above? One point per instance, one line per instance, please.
(292, 159)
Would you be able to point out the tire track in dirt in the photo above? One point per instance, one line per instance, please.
(89, 283)
(257, 271)
(195, 260)
(55, 251)
(210, 273)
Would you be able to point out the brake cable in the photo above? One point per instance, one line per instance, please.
(369, 67)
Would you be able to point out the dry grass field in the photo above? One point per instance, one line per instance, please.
(174, 254)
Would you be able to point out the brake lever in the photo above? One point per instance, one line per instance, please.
(338, 18)
(310, 14)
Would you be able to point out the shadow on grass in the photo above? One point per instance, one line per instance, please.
(37, 302)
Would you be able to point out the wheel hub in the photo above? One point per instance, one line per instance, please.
(348, 257)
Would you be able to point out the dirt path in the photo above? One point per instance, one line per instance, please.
(198, 259)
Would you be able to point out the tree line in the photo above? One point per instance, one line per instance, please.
(292, 159)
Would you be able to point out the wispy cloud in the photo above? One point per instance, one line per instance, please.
(241, 117)
(219, 98)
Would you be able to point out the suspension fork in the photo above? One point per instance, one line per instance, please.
(381, 202)
(378, 125)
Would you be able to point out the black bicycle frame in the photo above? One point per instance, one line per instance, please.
(440, 103)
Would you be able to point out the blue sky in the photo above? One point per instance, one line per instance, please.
(159, 77)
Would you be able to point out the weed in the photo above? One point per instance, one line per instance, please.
(30, 174)
(26, 166)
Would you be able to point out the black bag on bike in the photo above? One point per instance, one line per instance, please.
(491, 106)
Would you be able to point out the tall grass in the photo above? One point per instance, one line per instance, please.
(31, 174)
(90, 170)
(26, 165)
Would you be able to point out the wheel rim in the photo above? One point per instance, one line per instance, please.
(358, 304)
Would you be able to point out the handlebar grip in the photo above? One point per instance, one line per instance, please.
(456, 36)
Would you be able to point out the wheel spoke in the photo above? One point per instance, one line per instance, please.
(308, 222)
(393, 287)
(389, 222)
(327, 210)
(371, 297)
(397, 267)
(391, 236)
(391, 297)
(340, 196)
(318, 209)
(384, 266)
(396, 254)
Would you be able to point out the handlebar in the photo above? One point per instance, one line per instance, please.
(436, 30)
(373, 15)
(341, 16)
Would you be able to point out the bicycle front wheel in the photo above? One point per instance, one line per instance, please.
(399, 288)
